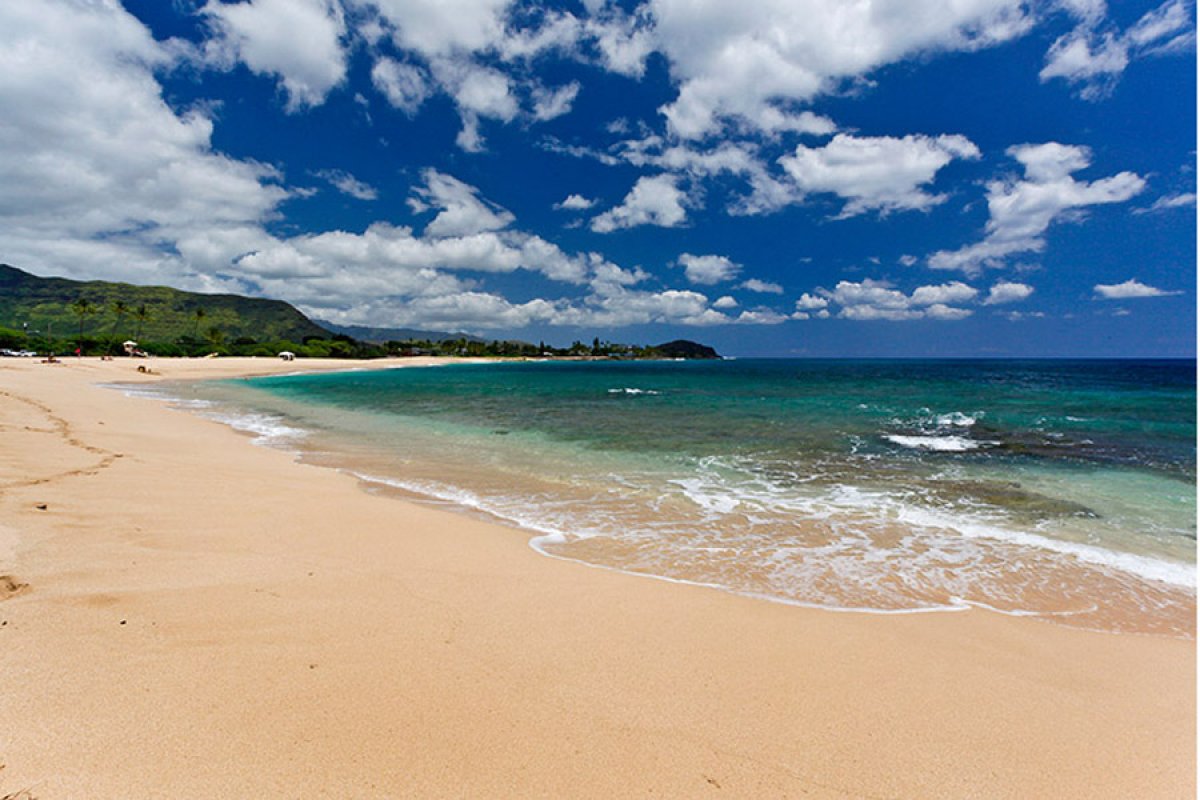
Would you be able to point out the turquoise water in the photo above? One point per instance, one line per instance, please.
(1065, 490)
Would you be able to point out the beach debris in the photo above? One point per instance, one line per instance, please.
(24, 794)
(11, 587)
(41, 506)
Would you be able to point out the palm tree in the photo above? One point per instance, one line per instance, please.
(120, 308)
(83, 308)
(199, 315)
(142, 315)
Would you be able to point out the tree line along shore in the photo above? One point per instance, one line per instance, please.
(116, 331)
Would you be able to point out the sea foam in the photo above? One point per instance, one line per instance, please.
(267, 429)
(957, 418)
(945, 444)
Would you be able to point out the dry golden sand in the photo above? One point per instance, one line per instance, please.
(205, 618)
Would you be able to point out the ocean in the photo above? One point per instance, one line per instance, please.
(1060, 490)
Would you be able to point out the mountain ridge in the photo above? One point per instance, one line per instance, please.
(45, 306)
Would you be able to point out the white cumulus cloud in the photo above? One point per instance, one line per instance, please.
(760, 286)
(575, 202)
(1129, 290)
(1007, 292)
(877, 173)
(624, 41)
(613, 306)
(479, 90)
(552, 103)
(1093, 56)
(877, 300)
(737, 60)
(461, 212)
(264, 34)
(1020, 211)
(477, 52)
(439, 28)
(405, 86)
(741, 159)
(808, 302)
(653, 200)
(708, 270)
(761, 316)
(954, 292)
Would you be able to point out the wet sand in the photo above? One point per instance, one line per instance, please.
(183, 614)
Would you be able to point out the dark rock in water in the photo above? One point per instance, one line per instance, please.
(682, 348)
(1014, 497)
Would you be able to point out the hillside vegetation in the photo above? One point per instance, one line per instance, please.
(58, 315)
(46, 304)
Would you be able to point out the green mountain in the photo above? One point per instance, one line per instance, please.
(47, 307)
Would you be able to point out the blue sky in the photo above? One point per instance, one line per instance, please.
(780, 177)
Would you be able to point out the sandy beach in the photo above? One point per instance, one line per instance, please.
(184, 614)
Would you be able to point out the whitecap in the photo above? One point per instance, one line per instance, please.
(947, 444)
(632, 391)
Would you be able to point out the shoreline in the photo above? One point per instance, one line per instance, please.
(379, 474)
(263, 625)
